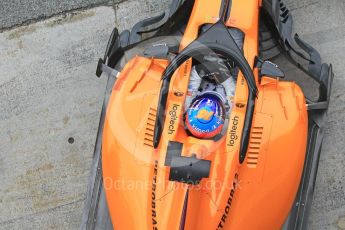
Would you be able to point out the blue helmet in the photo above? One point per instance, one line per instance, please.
(205, 116)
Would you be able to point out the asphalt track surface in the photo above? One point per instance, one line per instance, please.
(49, 94)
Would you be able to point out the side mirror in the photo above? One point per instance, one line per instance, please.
(268, 68)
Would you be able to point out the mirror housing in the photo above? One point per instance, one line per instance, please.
(269, 69)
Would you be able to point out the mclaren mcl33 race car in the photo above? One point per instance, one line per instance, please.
(213, 118)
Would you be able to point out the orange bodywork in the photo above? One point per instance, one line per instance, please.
(257, 194)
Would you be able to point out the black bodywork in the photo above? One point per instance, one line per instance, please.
(276, 39)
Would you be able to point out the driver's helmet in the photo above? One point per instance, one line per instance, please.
(205, 116)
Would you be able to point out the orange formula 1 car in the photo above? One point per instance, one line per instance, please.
(200, 129)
